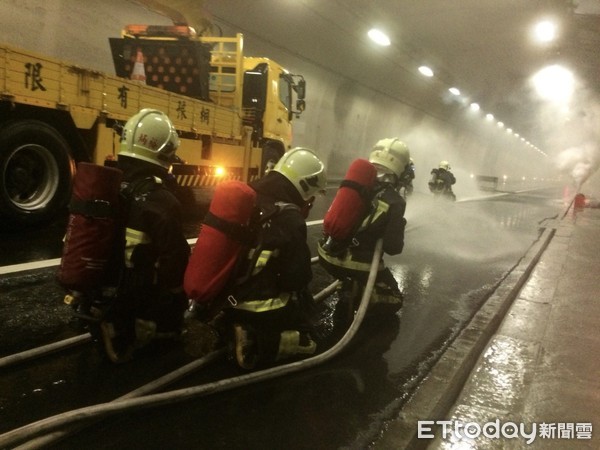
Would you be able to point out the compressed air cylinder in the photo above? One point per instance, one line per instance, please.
(92, 227)
(351, 201)
(219, 245)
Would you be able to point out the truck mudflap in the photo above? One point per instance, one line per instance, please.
(196, 185)
(191, 176)
(202, 180)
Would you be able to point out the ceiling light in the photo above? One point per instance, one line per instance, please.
(474, 106)
(545, 31)
(554, 83)
(426, 71)
(489, 116)
(379, 37)
(501, 124)
(454, 91)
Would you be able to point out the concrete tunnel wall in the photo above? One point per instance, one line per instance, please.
(342, 121)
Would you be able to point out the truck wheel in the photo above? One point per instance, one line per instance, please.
(270, 156)
(35, 172)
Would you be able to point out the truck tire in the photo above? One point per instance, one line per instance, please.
(36, 171)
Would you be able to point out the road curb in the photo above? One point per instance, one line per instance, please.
(438, 392)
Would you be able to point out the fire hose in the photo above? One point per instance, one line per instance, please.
(45, 350)
(77, 416)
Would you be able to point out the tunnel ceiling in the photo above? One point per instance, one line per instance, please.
(483, 47)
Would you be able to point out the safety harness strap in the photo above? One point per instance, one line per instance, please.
(235, 231)
(363, 191)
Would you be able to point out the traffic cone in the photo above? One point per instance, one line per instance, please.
(139, 73)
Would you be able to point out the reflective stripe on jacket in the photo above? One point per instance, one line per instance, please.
(262, 260)
(269, 304)
(264, 305)
(133, 238)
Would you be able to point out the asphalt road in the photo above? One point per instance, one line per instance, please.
(454, 256)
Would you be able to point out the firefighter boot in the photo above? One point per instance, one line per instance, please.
(385, 300)
(118, 344)
(294, 343)
(145, 332)
(245, 346)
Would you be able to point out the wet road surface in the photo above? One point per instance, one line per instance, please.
(455, 254)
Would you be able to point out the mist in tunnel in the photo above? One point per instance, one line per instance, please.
(579, 163)
(348, 119)
(470, 231)
(581, 160)
(570, 124)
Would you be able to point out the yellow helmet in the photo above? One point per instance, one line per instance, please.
(150, 136)
(391, 153)
(444, 165)
(305, 170)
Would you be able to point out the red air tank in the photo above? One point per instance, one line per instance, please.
(351, 201)
(220, 240)
(92, 228)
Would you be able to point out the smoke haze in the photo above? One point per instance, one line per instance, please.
(579, 163)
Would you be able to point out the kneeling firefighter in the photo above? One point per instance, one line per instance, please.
(442, 180)
(268, 316)
(383, 218)
(150, 301)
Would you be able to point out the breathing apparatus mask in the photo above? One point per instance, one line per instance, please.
(386, 176)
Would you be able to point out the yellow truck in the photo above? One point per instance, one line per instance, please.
(233, 114)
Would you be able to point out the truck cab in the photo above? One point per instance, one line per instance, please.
(267, 104)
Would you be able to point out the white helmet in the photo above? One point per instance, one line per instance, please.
(444, 165)
(150, 136)
(391, 153)
(305, 170)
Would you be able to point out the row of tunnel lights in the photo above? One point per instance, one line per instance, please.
(489, 116)
(382, 39)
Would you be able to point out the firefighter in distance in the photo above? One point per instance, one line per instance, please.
(441, 181)
(406, 180)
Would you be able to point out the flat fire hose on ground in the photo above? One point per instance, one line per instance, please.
(44, 350)
(102, 410)
(57, 435)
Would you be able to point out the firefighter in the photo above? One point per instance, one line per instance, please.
(385, 220)
(442, 180)
(268, 320)
(150, 301)
(406, 179)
